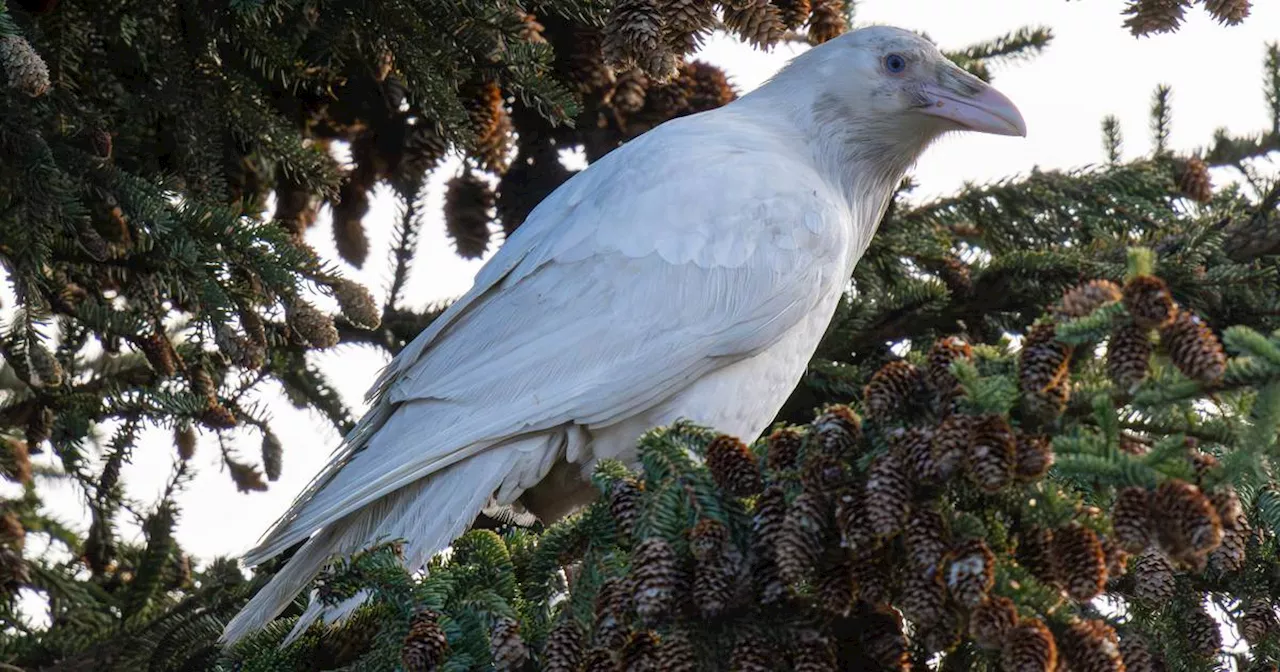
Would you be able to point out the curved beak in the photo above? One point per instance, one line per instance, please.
(970, 103)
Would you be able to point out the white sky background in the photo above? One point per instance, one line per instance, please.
(1093, 68)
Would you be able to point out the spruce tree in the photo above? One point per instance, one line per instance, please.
(1040, 432)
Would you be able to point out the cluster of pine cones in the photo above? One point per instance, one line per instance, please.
(1148, 17)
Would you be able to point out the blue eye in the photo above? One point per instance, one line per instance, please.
(895, 63)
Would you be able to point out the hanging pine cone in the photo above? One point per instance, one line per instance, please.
(834, 589)
(992, 622)
(356, 303)
(944, 353)
(15, 459)
(1149, 302)
(468, 208)
(1131, 519)
(159, 353)
(1258, 621)
(625, 500)
(1035, 552)
(733, 466)
(656, 578)
(1153, 580)
(272, 454)
(312, 326)
(588, 73)
(426, 644)
(823, 475)
(914, 447)
(884, 642)
(633, 35)
(758, 23)
(888, 496)
(1187, 525)
(716, 572)
(600, 660)
(708, 540)
(991, 453)
(951, 444)
(871, 573)
(890, 389)
(1229, 12)
(813, 653)
(827, 20)
(1149, 17)
(767, 525)
(1129, 356)
(782, 449)
(1230, 512)
(675, 653)
(563, 651)
(45, 370)
(971, 573)
(1229, 556)
(349, 235)
(1030, 647)
(800, 543)
(1043, 361)
(1201, 632)
(1194, 181)
(509, 650)
(613, 603)
(925, 540)
(1083, 299)
(851, 522)
(484, 105)
(1194, 348)
(1090, 645)
(688, 17)
(1117, 558)
(945, 635)
(1081, 561)
(838, 430)
(1136, 654)
(26, 70)
(922, 599)
(752, 652)
(1033, 456)
(640, 653)
(39, 426)
(706, 87)
(793, 13)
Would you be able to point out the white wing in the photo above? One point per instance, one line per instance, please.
(687, 249)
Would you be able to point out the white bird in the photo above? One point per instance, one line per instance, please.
(687, 274)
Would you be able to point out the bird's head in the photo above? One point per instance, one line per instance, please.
(894, 89)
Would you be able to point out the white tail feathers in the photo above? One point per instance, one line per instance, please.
(428, 514)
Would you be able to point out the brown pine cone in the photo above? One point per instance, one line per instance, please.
(26, 70)
(625, 501)
(676, 653)
(914, 447)
(1201, 632)
(1187, 525)
(942, 355)
(614, 600)
(1043, 361)
(356, 303)
(1194, 180)
(1130, 519)
(834, 589)
(707, 87)
(312, 326)
(851, 522)
(888, 496)
(1229, 12)
(1194, 349)
(827, 20)
(184, 437)
(426, 645)
(1081, 561)
(752, 652)
(991, 453)
(1091, 645)
(925, 540)
(656, 578)
(891, 389)
(600, 660)
(714, 584)
(640, 653)
(688, 17)
(1035, 552)
(633, 33)
(782, 449)
(1258, 621)
(1117, 558)
(1149, 302)
(1229, 556)
(824, 475)
(814, 653)
(1082, 300)
(923, 598)
(733, 466)
(951, 444)
(757, 23)
(872, 575)
(1030, 647)
(838, 430)
(468, 208)
(1137, 655)
(1148, 17)
(800, 543)
(1153, 580)
(884, 642)
(794, 13)
(509, 650)
(992, 622)
(1033, 456)
(971, 573)
(1129, 356)
(563, 650)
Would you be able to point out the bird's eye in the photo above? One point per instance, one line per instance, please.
(895, 63)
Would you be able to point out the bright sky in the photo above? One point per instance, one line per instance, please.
(1093, 68)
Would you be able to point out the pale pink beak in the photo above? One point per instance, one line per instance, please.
(986, 110)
